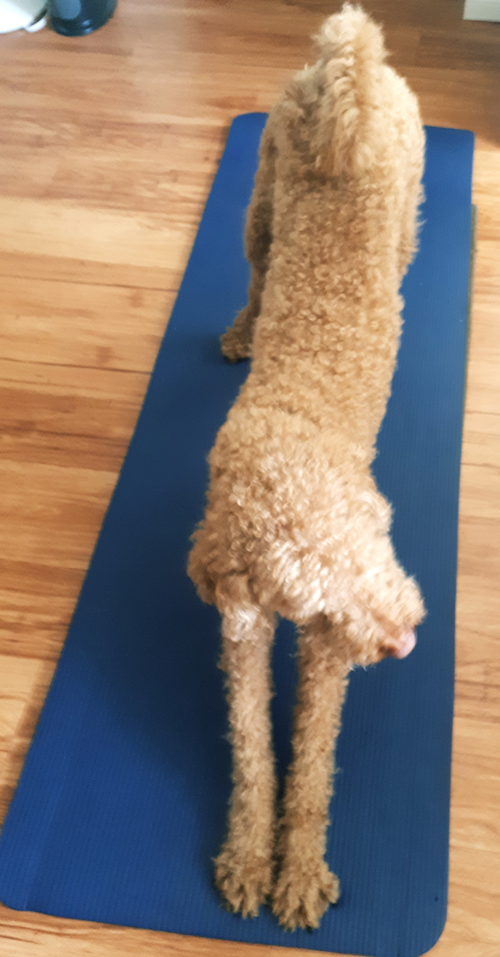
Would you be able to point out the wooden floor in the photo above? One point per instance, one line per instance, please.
(109, 144)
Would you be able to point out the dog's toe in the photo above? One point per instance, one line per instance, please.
(300, 899)
(244, 880)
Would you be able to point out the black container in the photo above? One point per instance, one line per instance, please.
(75, 18)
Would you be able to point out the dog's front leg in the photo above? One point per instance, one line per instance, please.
(243, 869)
(305, 885)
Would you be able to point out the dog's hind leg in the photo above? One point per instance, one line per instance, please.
(243, 868)
(237, 341)
(409, 219)
(305, 886)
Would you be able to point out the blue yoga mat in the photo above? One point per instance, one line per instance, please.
(122, 801)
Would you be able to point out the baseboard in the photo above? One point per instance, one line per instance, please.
(482, 10)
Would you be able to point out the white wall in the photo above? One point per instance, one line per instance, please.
(482, 10)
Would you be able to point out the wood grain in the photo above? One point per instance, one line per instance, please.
(109, 146)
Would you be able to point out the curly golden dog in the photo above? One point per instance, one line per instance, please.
(295, 525)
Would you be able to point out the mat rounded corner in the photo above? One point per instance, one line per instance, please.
(10, 903)
(436, 937)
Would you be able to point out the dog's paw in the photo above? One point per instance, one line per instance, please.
(300, 899)
(234, 346)
(244, 878)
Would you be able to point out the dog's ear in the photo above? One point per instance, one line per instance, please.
(351, 52)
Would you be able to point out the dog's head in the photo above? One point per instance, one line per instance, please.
(368, 638)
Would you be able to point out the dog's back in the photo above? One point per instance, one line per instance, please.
(347, 148)
(335, 199)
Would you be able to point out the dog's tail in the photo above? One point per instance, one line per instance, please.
(351, 47)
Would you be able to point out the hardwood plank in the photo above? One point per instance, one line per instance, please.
(479, 51)
(481, 444)
(47, 321)
(70, 399)
(53, 514)
(473, 912)
(25, 681)
(480, 486)
(102, 234)
(26, 631)
(22, 265)
(103, 453)
(52, 937)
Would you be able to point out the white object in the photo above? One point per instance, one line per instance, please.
(22, 15)
(482, 10)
